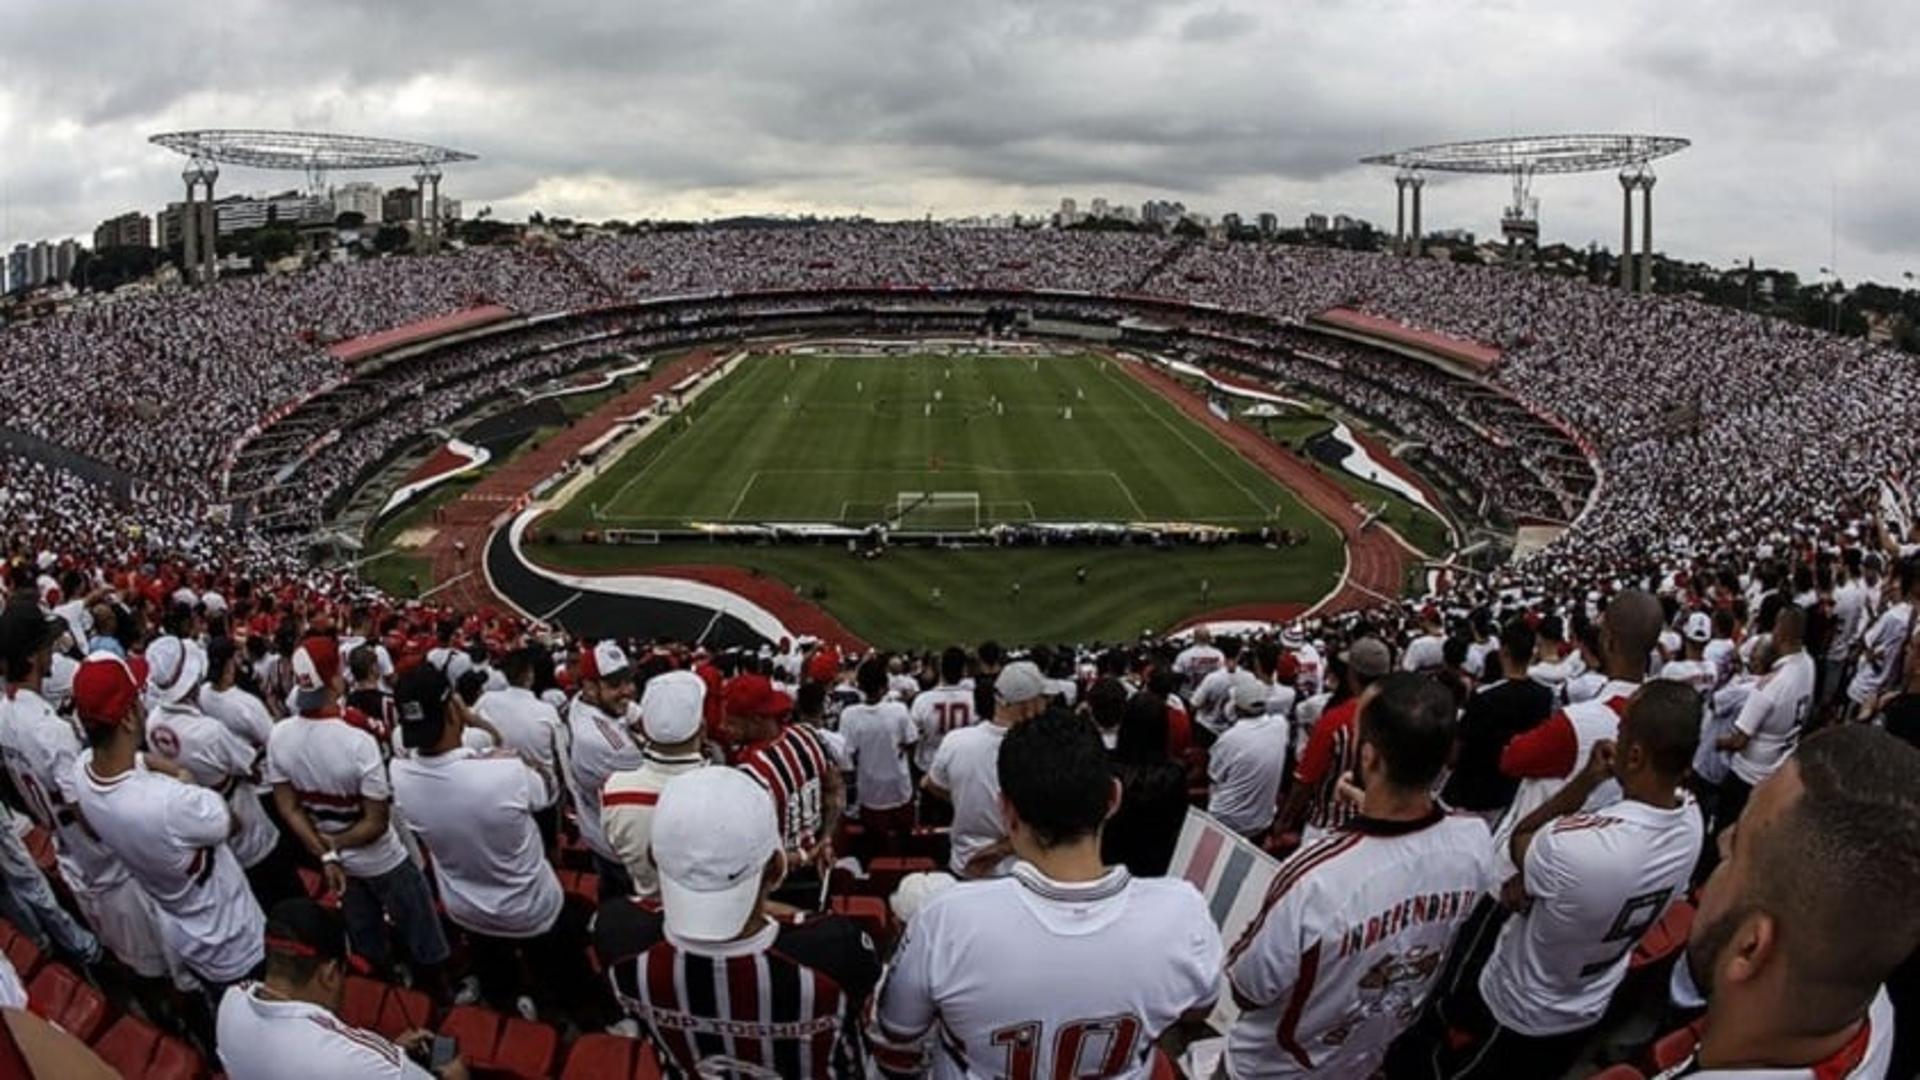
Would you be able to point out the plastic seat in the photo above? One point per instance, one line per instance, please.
(1675, 1047)
(1619, 1072)
(870, 912)
(361, 1002)
(611, 1057)
(500, 1044)
(174, 1060)
(137, 1050)
(63, 998)
(25, 957)
(404, 1010)
(1664, 938)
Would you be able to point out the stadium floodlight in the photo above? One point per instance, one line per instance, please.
(1523, 157)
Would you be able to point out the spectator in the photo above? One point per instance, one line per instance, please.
(601, 720)
(1248, 762)
(671, 712)
(1153, 793)
(1770, 722)
(1497, 713)
(945, 708)
(1332, 754)
(527, 726)
(792, 763)
(966, 776)
(879, 735)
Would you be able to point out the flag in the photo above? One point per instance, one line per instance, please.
(1232, 874)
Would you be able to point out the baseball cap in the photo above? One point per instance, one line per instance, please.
(1669, 641)
(1292, 638)
(174, 667)
(1369, 658)
(1019, 681)
(1249, 694)
(104, 690)
(671, 706)
(25, 630)
(605, 662)
(1699, 627)
(713, 832)
(300, 927)
(316, 663)
(754, 695)
(421, 699)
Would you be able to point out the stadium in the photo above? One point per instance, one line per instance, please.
(743, 494)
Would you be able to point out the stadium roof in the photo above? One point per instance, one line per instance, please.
(306, 150)
(1535, 153)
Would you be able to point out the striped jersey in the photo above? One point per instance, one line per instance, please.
(784, 1003)
(1332, 751)
(792, 766)
(334, 764)
(1349, 942)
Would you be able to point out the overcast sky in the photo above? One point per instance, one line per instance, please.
(1804, 116)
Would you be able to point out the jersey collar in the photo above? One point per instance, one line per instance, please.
(1076, 892)
(1360, 823)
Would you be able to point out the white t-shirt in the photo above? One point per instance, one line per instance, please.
(601, 747)
(878, 737)
(1195, 662)
(242, 713)
(173, 839)
(40, 748)
(217, 758)
(1104, 967)
(474, 812)
(936, 712)
(968, 766)
(1772, 717)
(333, 767)
(526, 723)
(265, 1038)
(1245, 767)
(1884, 640)
(1428, 652)
(1349, 943)
(1213, 698)
(1598, 881)
(1849, 618)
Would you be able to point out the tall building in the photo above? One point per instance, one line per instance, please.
(65, 255)
(39, 264)
(1269, 223)
(398, 205)
(1162, 212)
(17, 268)
(240, 213)
(131, 229)
(359, 197)
(1316, 223)
(1230, 220)
(1099, 211)
(1069, 213)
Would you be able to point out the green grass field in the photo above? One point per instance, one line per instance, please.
(819, 439)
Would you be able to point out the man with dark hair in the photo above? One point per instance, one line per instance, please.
(601, 719)
(1354, 927)
(1811, 907)
(1771, 721)
(944, 708)
(1332, 750)
(1591, 884)
(1882, 647)
(1106, 963)
(286, 1027)
(1498, 712)
(879, 733)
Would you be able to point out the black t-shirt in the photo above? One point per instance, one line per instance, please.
(1492, 718)
(1142, 833)
(816, 975)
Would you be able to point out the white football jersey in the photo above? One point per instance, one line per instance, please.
(217, 758)
(1549, 755)
(474, 812)
(333, 767)
(1024, 976)
(968, 766)
(267, 1037)
(1245, 767)
(39, 747)
(1350, 940)
(244, 714)
(1598, 881)
(878, 738)
(601, 747)
(936, 712)
(526, 723)
(172, 837)
(1773, 716)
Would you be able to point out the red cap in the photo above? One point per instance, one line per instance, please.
(104, 690)
(754, 695)
(316, 663)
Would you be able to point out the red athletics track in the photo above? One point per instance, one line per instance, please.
(1376, 562)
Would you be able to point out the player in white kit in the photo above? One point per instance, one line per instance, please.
(1355, 926)
(1591, 884)
(1066, 967)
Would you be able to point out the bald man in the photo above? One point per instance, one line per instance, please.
(1808, 912)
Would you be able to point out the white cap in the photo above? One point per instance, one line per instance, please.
(606, 659)
(1669, 642)
(185, 597)
(1019, 681)
(1698, 627)
(916, 891)
(671, 707)
(174, 667)
(1249, 694)
(713, 832)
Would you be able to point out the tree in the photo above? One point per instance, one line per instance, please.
(352, 219)
(272, 243)
(109, 268)
(1190, 229)
(391, 238)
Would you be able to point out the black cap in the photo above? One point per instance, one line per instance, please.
(299, 927)
(25, 629)
(421, 697)
(219, 651)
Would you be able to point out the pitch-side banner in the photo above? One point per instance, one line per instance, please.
(1233, 876)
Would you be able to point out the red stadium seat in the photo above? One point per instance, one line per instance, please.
(1619, 1072)
(174, 1060)
(62, 997)
(884, 875)
(404, 1010)
(870, 912)
(362, 1001)
(137, 1050)
(475, 1029)
(1664, 938)
(24, 955)
(601, 1057)
(929, 842)
(502, 1045)
(586, 887)
(1675, 1046)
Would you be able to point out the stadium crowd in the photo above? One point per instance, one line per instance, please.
(300, 829)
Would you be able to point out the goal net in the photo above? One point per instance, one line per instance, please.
(936, 511)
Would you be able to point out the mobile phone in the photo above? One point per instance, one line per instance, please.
(444, 1051)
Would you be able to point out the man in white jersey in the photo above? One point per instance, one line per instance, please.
(1213, 697)
(222, 698)
(214, 757)
(1197, 660)
(1066, 967)
(330, 783)
(600, 720)
(672, 710)
(527, 725)
(1592, 883)
(286, 1027)
(40, 749)
(879, 735)
(1355, 926)
(1883, 646)
(1808, 915)
(946, 708)
(965, 772)
(1849, 612)
(1247, 763)
(1771, 721)
(171, 835)
(475, 814)
(1312, 666)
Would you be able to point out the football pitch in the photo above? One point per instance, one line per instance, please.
(933, 443)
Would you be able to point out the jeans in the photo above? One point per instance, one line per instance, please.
(399, 895)
(28, 901)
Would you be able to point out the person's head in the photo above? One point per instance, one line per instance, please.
(872, 679)
(991, 656)
(1266, 659)
(223, 662)
(175, 669)
(307, 952)
(432, 716)
(753, 707)
(953, 665)
(1517, 642)
(606, 677)
(1811, 905)
(1789, 629)
(1406, 733)
(810, 702)
(106, 700)
(1019, 693)
(316, 673)
(1658, 734)
(1107, 703)
(671, 709)
(1367, 660)
(1143, 731)
(1055, 785)
(1908, 575)
(717, 847)
(1629, 628)
(519, 667)
(26, 641)
(363, 664)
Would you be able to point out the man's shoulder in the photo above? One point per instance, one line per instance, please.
(829, 943)
(627, 927)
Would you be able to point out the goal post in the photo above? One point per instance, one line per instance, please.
(936, 511)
